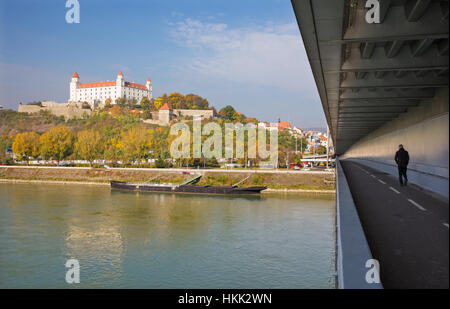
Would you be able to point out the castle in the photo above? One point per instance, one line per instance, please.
(97, 93)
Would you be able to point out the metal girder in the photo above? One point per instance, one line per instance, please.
(443, 47)
(404, 60)
(414, 9)
(367, 50)
(390, 81)
(372, 109)
(420, 46)
(382, 93)
(392, 48)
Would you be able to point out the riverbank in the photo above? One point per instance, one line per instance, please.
(293, 182)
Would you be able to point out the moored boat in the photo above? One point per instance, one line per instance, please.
(186, 187)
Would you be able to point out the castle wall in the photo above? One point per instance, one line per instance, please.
(67, 110)
(204, 114)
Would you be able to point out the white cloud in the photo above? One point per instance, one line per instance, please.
(269, 55)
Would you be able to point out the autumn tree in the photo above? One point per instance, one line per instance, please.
(146, 104)
(26, 145)
(116, 111)
(122, 102)
(194, 101)
(89, 145)
(161, 101)
(228, 112)
(56, 143)
(177, 100)
(108, 102)
(135, 143)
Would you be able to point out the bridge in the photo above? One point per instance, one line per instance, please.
(382, 76)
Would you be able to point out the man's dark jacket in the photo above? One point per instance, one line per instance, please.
(402, 157)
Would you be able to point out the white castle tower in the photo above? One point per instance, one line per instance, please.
(149, 87)
(73, 87)
(120, 85)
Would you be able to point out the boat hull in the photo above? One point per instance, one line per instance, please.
(186, 188)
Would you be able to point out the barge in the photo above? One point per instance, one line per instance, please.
(186, 187)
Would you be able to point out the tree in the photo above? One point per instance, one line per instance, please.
(321, 149)
(116, 110)
(122, 102)
(56, 143)
(159, 102)
(108, 103)
(228, 112)
(194, 101)
(26, 145)
(89, 145)
(135, 143)
(131, 103)
(145, 104)
(177, 100)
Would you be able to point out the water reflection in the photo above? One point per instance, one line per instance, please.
(146, 240)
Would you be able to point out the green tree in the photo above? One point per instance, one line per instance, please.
(56, 143)
(228, 112)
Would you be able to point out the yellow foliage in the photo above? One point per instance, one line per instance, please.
(135, 143)
(89, 145)
(56, 143)
(26, 144)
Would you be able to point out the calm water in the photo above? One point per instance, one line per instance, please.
(132, 240)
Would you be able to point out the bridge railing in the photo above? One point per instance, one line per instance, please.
(354, 261)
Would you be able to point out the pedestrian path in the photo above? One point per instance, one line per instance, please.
(407, 228)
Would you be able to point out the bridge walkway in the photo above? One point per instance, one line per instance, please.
(406, 228)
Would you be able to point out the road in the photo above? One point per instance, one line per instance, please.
(407, 228)
(193, 170)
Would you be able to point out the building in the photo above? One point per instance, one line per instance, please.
(97, 93)
(284, 125)
(166, 114)
(1, 108)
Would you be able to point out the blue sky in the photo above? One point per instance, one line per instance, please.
(245, 53)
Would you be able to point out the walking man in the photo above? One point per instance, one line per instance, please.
(402, 160)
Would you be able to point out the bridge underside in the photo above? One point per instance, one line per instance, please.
(383, 84)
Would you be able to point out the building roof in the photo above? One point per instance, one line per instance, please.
(149, 80)
(99, 84)
(283, 125)
(75, 75)
(120, 74)
(165, 107)
(134, 85)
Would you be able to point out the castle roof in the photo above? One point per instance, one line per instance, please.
(134, 85)
(165, 107)
(75, 75)
(120, 74)
(99, 84)
(283, 125)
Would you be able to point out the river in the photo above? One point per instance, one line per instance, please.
(149, 240)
